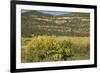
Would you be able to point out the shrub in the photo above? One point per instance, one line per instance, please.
(46, 48)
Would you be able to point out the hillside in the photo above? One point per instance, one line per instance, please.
(72, 24)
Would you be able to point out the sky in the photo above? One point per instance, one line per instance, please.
(54, 12)
(48, 12)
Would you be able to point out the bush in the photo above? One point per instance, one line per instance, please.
(46, 48)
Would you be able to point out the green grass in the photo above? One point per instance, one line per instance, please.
(53, 48)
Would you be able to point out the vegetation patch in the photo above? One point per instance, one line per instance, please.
(53, 48)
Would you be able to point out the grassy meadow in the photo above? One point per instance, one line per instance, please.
(54, 48)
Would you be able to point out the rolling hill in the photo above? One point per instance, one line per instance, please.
(71, 24)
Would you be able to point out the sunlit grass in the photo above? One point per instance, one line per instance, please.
(53, 48)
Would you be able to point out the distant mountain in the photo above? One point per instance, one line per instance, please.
(36, 13)
(74, 14)
(70, 24)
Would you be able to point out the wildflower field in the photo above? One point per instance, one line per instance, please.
(54, 48)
